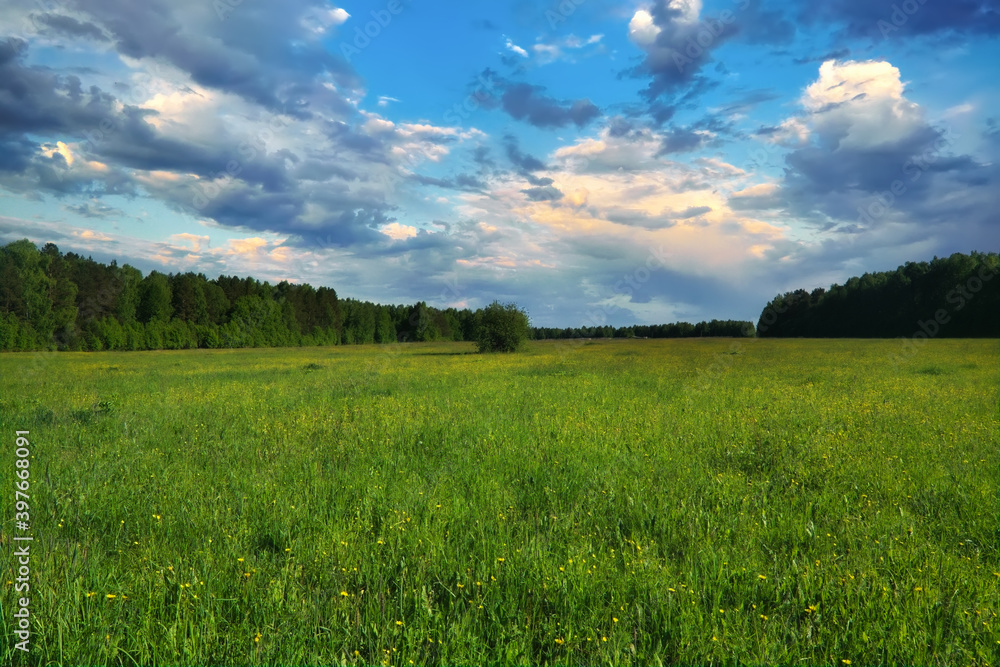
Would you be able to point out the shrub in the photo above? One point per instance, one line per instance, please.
(502, 328)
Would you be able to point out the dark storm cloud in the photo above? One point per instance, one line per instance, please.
(37, 100)
(837, 54)
(680, 140)
(634, 218)
(461, 182)
(889, 19)
(912, 180)
(681, 48)
(547, 193)
(67, 25)
(520, 159)
(693, 212)
(95, 210)
(527, 103)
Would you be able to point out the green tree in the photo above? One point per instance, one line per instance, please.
(155, 299)
(502, 328)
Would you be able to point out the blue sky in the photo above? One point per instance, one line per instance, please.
(593, 160)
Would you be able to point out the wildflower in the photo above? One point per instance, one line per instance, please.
(111, 596)
(399, 622)
(762, 577)
(560, 641)
(614, 619)
(344, 593)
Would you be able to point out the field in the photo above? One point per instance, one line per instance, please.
(626, 502)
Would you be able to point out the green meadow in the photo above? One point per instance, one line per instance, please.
(685, 501)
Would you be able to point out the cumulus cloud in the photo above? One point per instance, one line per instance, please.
(866, 161)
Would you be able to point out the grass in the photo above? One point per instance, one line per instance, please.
(623, 502)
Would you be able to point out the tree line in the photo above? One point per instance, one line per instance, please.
(955, 297)
(51, 300)
(727, 328)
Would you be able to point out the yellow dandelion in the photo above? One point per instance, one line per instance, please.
(111, 596)
(399, 622)
(560, 641)
(344, 593)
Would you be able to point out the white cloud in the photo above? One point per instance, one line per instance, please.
(398, 232)
(641, 29)
(860, 104)
(511, 46)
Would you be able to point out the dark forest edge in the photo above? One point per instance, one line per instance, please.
(55, 301)
(953, 297)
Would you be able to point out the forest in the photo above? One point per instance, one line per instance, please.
(952, 297)
(55, 301)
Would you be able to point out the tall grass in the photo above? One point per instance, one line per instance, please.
(674, 502)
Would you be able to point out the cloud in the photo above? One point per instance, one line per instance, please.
(547, 193)
(889, 19)
(869, 163)
(677, 43)
(398, 232)
(511, 46)
(567, 48)
(520, 159)
(527, 103)
(95, 209)
(71, 27)
(197, 241)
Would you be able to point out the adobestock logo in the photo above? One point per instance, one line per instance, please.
(363, 36)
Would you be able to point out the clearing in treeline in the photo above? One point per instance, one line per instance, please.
(628, 502)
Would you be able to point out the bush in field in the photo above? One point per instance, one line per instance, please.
(502, 328)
